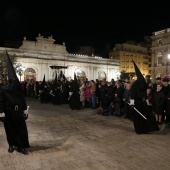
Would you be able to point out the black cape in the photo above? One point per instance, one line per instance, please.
(13, 105)
(142, 125)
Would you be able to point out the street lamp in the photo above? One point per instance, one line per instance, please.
(118, 75)
(167, 63)
(20, 70)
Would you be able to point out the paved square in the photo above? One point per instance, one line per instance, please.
(65, 139)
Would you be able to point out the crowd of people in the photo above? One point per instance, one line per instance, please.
(110, 98)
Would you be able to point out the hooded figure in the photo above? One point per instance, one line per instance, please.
(13, 112)
(138, 100)
(44, 92)
(64, 94)
(74, 101)
(55, 92)
(62, 76)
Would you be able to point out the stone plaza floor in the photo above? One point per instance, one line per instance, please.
(65, 139)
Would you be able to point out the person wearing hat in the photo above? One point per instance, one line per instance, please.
(14, 112)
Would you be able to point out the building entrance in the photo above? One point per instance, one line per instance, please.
(29, 74)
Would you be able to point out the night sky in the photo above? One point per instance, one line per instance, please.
(94, 23)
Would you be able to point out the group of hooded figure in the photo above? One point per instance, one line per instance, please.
(55, 92)
(61, 92)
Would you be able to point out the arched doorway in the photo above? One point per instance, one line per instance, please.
(101, 75)
(80, 74)
(29, 74)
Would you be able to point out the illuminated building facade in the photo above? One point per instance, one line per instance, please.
(126, 52)
(160, 53)
(38, 56)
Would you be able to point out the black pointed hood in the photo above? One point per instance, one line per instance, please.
(75, 84)
(10, 68)
(44, 78)
(56, 79)
(75, 78)
(140, 79)
(14, 85)
(62, 76)
(55, 82)
(43, 82)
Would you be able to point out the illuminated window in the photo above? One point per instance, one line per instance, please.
(81, 74)
(159, 58)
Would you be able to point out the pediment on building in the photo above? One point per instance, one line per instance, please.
(43, 44)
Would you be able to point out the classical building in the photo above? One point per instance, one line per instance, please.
(160, 53)
(126, 52)
(43, 56)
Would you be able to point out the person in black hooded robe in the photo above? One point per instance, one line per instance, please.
(55, 92)
(13, 111)
(44, 92)
(138, 100)
(74, 101)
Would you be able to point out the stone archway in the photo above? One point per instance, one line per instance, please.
(30, 74)
(101, 75)
(81, 74)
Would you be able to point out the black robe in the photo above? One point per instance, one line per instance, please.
(74, 101)
(13, 105)
(142, 125)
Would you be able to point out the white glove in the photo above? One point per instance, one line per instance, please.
(26, 112)
(2, 114)
(149, 104)
(132, 102)
(70, 93)
(147, 101)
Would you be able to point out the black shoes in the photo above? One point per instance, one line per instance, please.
(10, 149)
(22, 150)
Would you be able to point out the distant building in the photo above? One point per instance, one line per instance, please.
(127, 51)
(43, 56)
(160, 53)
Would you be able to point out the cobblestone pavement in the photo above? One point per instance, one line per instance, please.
(65, 139)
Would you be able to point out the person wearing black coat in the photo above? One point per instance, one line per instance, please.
(44, 92)
(144, 122)
(74, 99)
(14, 112)
(158, 103)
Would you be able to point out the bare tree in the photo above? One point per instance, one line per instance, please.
(3, 68)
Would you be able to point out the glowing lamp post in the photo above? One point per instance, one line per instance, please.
(118, 75)
(167, 64)
(20, 70)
